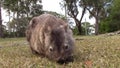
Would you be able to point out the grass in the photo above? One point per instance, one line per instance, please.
(90, 52)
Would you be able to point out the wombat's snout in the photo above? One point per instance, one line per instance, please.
(67, 60)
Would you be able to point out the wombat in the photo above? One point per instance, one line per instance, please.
(51, 37)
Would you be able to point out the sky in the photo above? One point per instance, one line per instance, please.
(5, 18)
(53, 5)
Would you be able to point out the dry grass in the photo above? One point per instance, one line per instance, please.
(90, 52)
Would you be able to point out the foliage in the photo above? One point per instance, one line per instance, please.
(75, 31)
(104, 27)
(111, 23)
(86, 29)
(90, 52)
(115, 16)
(96, 8)
(22, 11)
(18, 26)
(71, 8)
(15, 28)
(5, 32)
(23, 7)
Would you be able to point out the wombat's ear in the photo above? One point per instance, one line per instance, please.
(33, 22)
(65, 26)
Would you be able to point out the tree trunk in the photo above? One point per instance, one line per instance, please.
(96, 23)
(1, 33)
(78, 22)
(79, 28)
(96, 27)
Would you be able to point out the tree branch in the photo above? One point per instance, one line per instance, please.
(91, 12)
(83, 12)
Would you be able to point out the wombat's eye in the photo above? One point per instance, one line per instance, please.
(51, 49)
(66, 46)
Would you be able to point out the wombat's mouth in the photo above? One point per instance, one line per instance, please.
(67, 60)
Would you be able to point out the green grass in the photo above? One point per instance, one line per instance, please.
(90, 52)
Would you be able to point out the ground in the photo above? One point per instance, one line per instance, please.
(90, 52)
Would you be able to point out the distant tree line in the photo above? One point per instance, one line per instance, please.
(105, 12)
(20, 13)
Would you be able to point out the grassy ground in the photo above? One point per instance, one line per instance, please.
(90, 52)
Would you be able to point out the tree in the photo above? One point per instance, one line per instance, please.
(22, 11)
(18, 26)
(73, 11)
(0, 21)
(97, 10)
(87, 28)
(28, 8)
(112, 22)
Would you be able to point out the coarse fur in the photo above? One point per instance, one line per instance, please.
(51, 37)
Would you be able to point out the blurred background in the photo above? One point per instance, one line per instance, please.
(85, 17)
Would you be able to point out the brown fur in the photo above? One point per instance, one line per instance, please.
(51, 37)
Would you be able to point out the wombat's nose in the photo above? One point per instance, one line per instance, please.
(67, 60)
(60, 61)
